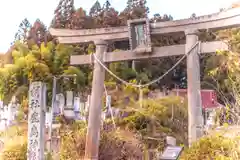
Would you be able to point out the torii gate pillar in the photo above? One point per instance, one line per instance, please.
(195, 118)
(95, 110)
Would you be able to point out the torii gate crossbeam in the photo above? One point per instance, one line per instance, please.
(166, 51)
(221, 20)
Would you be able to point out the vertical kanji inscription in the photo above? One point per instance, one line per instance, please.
(36, 121)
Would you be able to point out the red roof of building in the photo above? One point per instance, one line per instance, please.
(209, 98)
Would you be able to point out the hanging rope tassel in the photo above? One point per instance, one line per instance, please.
(108, 105)
(110, 108)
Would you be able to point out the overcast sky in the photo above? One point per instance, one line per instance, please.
(12, 12)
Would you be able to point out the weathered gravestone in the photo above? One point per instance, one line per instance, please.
(69, 110)
(82, 111)
(2, 120)
(10, 116)
(56, 109)
(36, 121)
(69, 102)
(108, 103)
(77, 108)
(106, 113)
(171, 141)
(5, 116)
(14, 108)
(86, 107)
(61, 99)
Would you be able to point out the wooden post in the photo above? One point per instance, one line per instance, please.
(95, 110)
(195, 120)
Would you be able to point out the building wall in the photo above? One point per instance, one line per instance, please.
(209, 98)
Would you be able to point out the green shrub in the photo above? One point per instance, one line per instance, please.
(20, 116)
(14, 131)
(15, 152)
(214, 147)
(153, 119)
(113, 145)
(15, 143)
(165, 115)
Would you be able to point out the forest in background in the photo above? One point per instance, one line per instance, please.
(35, 55)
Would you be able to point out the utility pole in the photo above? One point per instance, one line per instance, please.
(95, 110)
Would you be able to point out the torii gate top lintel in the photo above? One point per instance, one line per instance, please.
(221, 20)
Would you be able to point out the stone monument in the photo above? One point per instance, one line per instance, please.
(69, 102)
(36, 121)
(77, 108)
(171, 141)
(2, 120)
(61, 99)
(86, 107)
(69, 110)
(82, 111)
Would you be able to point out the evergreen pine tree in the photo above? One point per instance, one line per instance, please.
(129, 4)
(38, 32)
(109, 16)
(23, 31)
(136, 9)
(95, 9)
(141, 5)
(106, 6)
(63, 14)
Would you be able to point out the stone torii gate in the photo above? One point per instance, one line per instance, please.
(139, 34)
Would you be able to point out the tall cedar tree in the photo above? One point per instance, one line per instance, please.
(95, 9)
(136, 9)
(109, 16)
(106, 5)
(38, 32)
(63, 14)
(23, 30)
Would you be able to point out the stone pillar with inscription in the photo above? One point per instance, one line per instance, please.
(36, 121)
